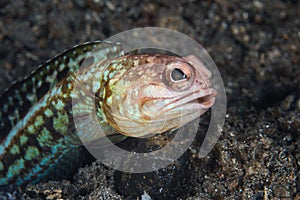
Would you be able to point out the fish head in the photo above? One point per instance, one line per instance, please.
(158, 93)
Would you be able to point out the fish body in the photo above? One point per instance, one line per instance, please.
(61, 105)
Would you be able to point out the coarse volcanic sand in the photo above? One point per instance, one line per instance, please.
(256, 46)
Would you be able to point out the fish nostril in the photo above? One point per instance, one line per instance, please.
(198, 82)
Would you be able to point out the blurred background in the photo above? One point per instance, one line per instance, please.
(256, 46)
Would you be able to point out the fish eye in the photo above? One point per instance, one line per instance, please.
(178, 75)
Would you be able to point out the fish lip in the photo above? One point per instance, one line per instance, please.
(206, 98)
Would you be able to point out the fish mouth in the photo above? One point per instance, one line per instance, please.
(207, 100)
(202, 99)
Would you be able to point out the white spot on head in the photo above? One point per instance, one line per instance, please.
(109, 100)
(105, 75)
(111, 75)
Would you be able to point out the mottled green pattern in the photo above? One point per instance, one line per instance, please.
(36, 126)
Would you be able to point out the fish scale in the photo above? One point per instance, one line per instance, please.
(29, 91)
(36, 118)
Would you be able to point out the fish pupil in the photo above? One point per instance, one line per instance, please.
(178, 75)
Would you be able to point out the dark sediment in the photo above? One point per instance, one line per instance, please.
(256, 46)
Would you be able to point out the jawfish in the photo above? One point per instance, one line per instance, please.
(131, 95)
